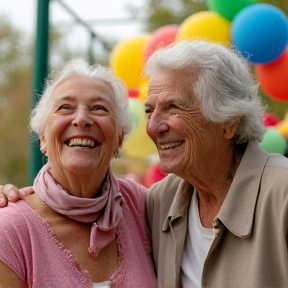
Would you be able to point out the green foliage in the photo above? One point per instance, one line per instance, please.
(16, 58)
(164, 12)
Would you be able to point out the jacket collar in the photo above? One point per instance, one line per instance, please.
(238, 208)
(180, 203)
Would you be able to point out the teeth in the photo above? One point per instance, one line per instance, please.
(81, 142)
(170, 145)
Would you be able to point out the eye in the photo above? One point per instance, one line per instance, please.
(65, 107)
(148, 112)
(99, 108)
(172, 106)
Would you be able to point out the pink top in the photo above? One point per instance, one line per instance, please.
(30, 248)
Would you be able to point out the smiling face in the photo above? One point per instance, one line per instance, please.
(186, 141)
(81, 134)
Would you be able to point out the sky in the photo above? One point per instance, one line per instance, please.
(23, 14)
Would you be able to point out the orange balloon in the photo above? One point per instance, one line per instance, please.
(205, 25)
(273, 77)
(126, 59)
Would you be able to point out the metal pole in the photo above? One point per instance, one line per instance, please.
(39, 74)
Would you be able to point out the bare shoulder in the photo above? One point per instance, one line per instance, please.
(8, 278)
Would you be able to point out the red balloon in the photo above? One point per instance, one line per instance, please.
(271, 119)
(153, 175)
(161, 37)
(273, 77)
(133, 93)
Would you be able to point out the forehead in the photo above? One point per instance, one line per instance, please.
(167, 84)
(80, 86)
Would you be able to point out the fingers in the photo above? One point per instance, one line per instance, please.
(25, 192)
(3, 198)
(10, 193)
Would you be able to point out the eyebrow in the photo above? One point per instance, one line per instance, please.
(73, 98)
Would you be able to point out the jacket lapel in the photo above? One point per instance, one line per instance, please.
(238, 208)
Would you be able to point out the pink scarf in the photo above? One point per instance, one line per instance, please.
(105, 211)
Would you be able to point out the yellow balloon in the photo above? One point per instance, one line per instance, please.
(127, 61)
(207, 25)
(143, 89)
(138, 144)
(282, 126)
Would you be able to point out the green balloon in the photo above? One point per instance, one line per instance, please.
(228, 8)
(273, 141)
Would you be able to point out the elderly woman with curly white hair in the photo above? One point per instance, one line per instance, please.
(83, 227)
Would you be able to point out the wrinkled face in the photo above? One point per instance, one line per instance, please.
(184, 138)
(81, 135)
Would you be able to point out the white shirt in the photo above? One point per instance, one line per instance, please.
(105, 284)
(197, 244)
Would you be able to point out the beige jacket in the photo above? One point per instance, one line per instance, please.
(250, 249)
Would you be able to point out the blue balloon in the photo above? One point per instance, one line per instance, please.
(260, 32)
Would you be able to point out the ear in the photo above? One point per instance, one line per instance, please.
(43, 144)
(230, 129)
(120, 139)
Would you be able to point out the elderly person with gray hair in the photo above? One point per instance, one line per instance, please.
(83, 227)
(220, 219)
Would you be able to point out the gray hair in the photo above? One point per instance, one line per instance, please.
(226, 88)
(40, 114)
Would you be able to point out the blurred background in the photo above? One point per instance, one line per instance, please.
(36, 36)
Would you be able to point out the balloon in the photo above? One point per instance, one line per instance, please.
(273, 77)
(138, 144)
(161, 37)
(282, 126)
(143, 89)
(271, 119)
(126, 59)
(153, 175)
(228, 8)
(273, 141)
(205, 25)
(260, 32)
(133, 93)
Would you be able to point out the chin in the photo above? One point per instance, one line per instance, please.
(166, 167)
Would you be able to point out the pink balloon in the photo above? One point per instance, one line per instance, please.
(161, 37)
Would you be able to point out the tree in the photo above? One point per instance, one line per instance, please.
(16, 58)
(158, 13)
(14, 100)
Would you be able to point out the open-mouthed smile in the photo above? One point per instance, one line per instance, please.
(170, 145)
(79, 142)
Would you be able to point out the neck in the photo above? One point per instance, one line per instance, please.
(213, 179)
(213, 184)
(84, 186)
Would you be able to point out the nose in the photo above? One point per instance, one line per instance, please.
(156, 124)
(82, 117)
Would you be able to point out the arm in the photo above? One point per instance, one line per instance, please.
(11, 193)
(9, 279)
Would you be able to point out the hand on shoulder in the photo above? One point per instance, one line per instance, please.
(10, 193)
